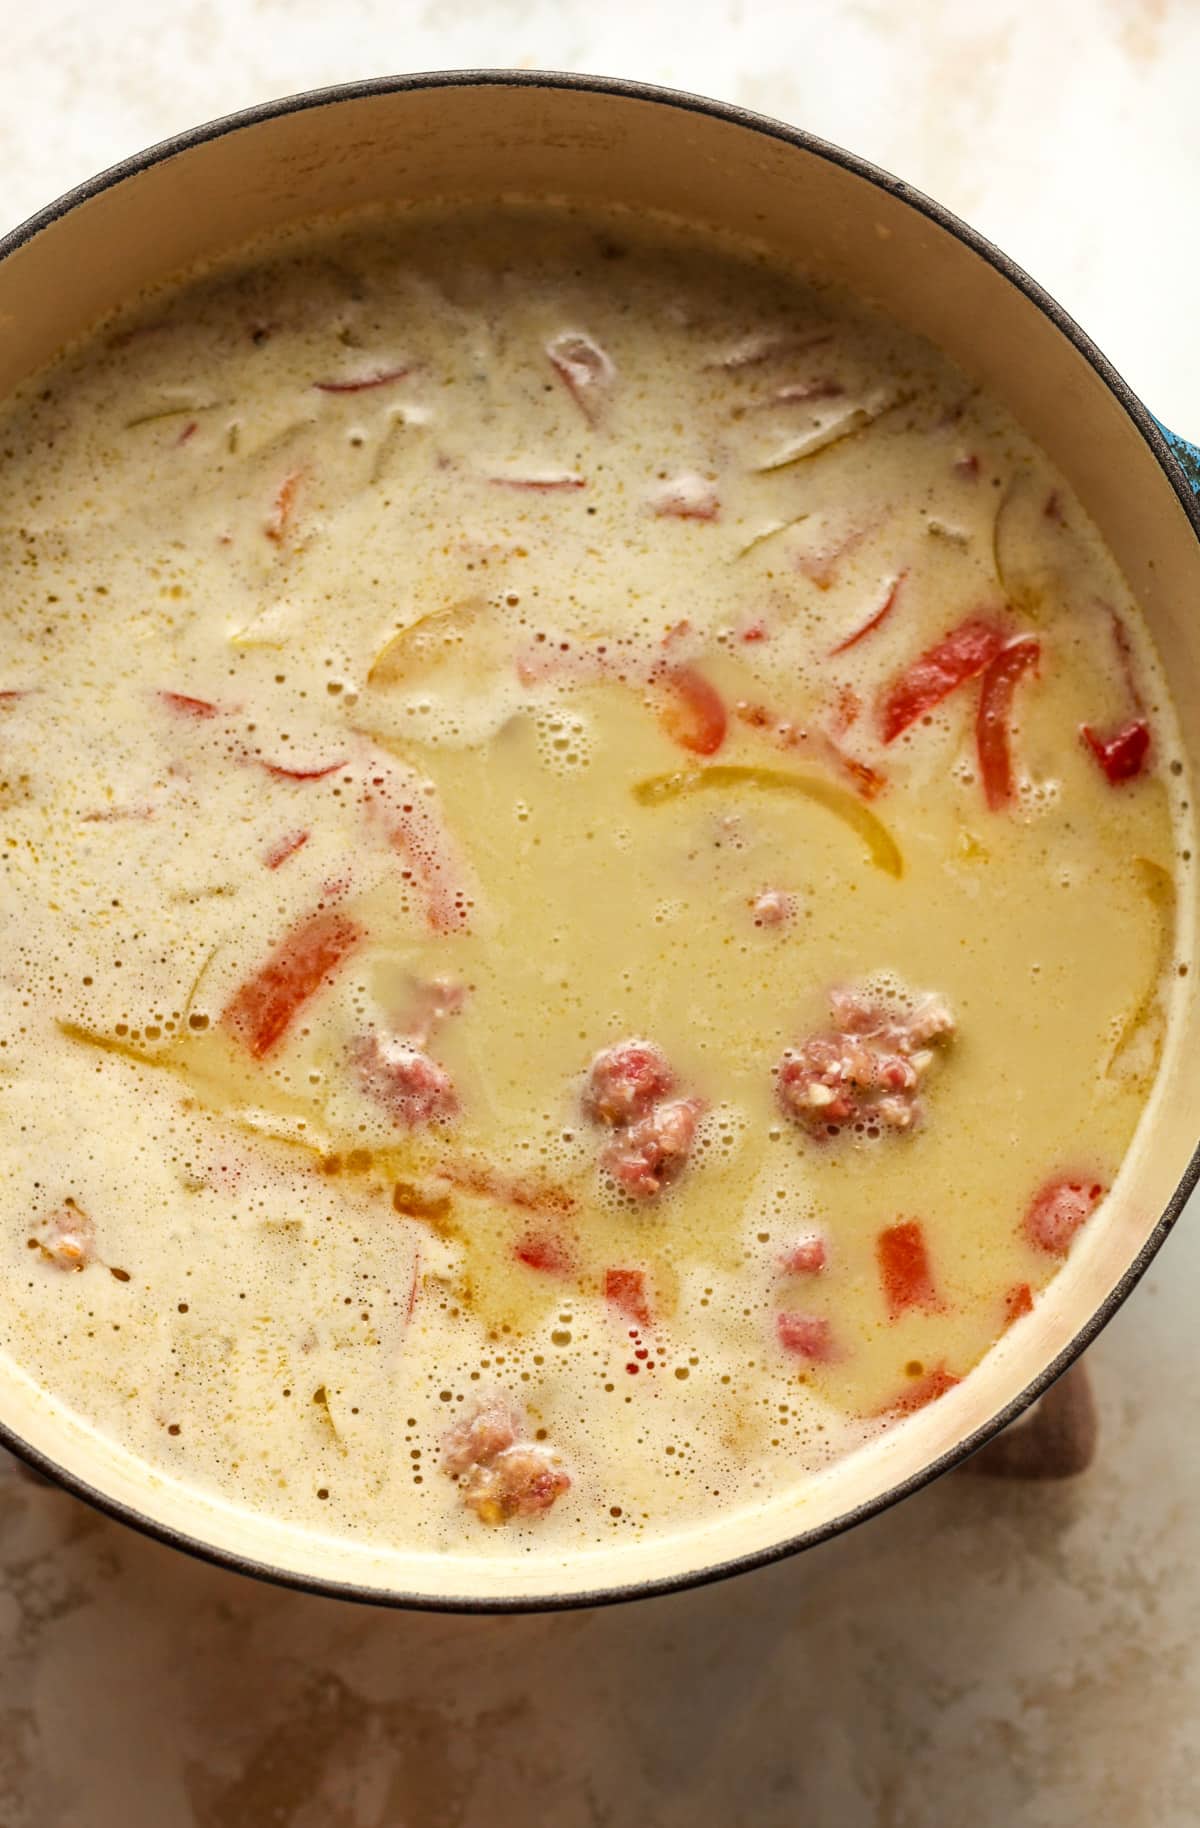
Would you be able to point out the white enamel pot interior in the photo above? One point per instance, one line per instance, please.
(478, 135)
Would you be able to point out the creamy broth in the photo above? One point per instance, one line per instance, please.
(439, 652)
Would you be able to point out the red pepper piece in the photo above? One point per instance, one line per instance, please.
(184, 706)
(959, 656)
(418, 836)
(278, 771)
(545, 1252)
(873, 621)
(284, 506)
(868, 781)
(785, 734)
(507, 1190)
(806, 1336)
(692, 713)
(260, 1013)
(1056, 1212)
(904, 1268)
(284, 847)
(566, 479)
(1018, 1300)
(1122, 755)
(626, 1290)
(847, 709)
(382, 378)
(992, 720)
(922, 1391)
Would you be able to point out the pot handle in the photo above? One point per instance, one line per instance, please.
(1186, 455)
(1055, 1440)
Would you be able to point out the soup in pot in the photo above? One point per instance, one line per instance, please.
(590, 838)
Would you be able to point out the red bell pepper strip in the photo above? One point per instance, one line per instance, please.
(414, 1287)
(904, 1268)
(959, 656)
(262, 1010)
(565, 479)
(868, 781)
(284, 847)
(185, 706)
(922, 1391)
(418, 835)
(1018, 1300)
(626, 1290)
(381, 379)
(507, 1190)
(692, 712)
(992, 719)
(1122, 755)
(873, 621)
(281, 773)
(413, 829)
(822, 745)
(1123, 643)
(283, 507)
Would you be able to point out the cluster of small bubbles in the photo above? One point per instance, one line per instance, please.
(564, 738)
(1039, 796)
(887, 988)
(720, 1130)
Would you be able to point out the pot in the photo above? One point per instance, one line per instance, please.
(474, 136)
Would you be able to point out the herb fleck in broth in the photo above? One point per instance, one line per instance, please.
(590, 858)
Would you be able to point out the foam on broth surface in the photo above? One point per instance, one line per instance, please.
(339, 598)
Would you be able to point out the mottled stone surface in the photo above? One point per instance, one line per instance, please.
(986, 1654)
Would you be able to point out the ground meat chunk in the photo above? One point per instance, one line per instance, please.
(1057, 1211)
(503, 1472)
(625, 1080)
(773, 908)
(523, 1481)
(805, 1256)
(628, 1090)
(432, 1000)
(868, 1068)
(66, 1237)
(644, 1156)
(492, 1426)
(807, 1336)
(401, 1077)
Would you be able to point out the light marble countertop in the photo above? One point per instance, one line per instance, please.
(1005, 1657)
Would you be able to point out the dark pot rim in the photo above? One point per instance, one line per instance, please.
(1151, 431)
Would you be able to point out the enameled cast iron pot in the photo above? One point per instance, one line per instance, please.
(478, 135)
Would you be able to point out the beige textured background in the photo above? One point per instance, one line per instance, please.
(983, 1655)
